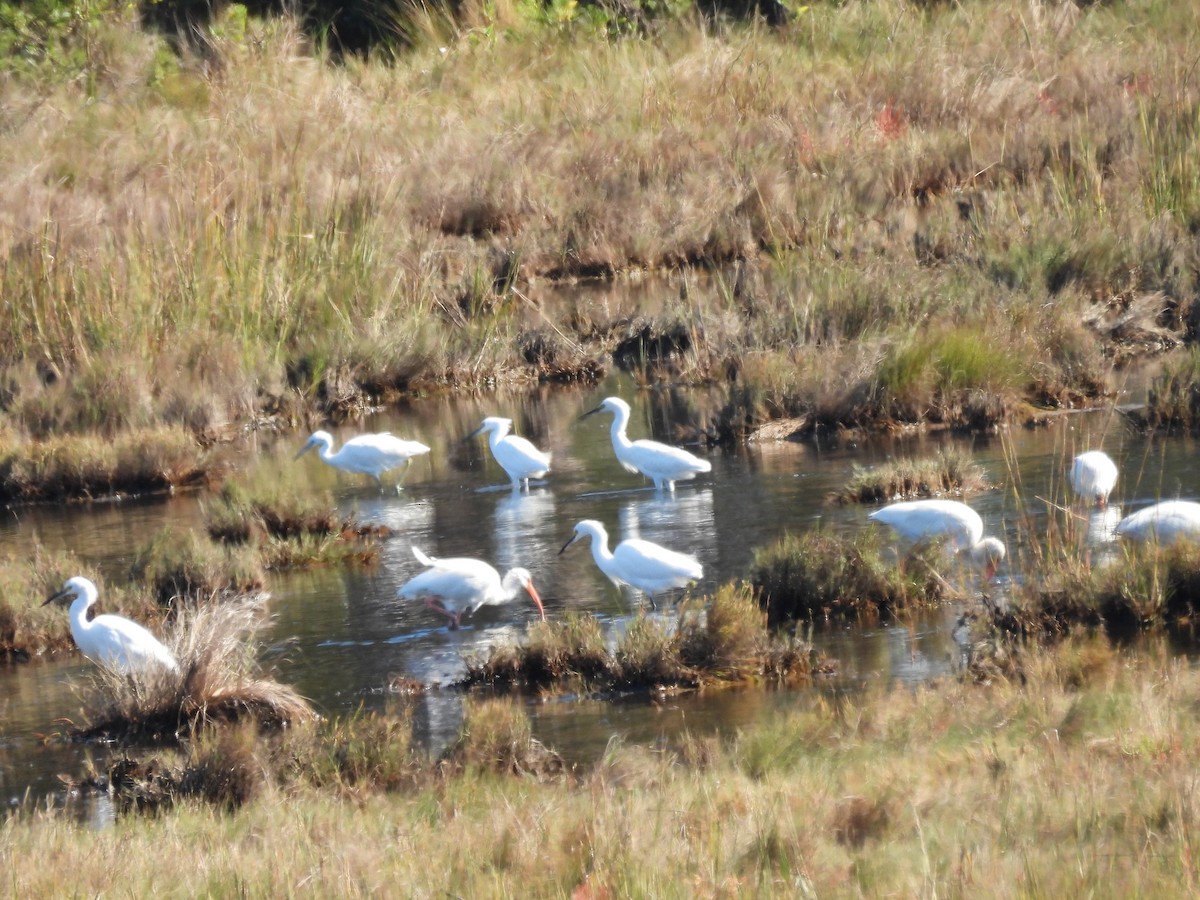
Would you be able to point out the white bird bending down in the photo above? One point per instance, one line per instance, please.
(1164, 523)
(517, 456)
(112, 642)
(660, 462)
(1093, 477)
(455, 587)
(957, 523)
(367, 454)
(640, 564)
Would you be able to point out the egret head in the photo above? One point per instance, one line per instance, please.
(317, 439)
(73, 588)
(498, 424)
(989, 553)
(585, 528)
(524, 579)
(614, 405)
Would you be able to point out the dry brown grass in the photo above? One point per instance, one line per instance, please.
(310, 234)
(1055, 786)
(216, 646)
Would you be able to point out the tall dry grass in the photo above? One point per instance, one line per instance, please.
(914, 201)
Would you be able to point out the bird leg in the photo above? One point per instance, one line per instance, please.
(438, 608)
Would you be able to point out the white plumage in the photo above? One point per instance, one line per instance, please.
(956, 523)
(113, 642)
(516, 455)
(1164, 523)
(367, 454)
(643, 565)
(460, 586)
(1093, 477)
(660, 462)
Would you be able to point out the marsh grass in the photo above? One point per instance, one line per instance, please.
(85, 466)
(1173, 399)
(288, 530)
(1142, 589)
(949, 473)
(216, 646)
(28, 628)
(185, 566)
(352, 257)
(724, 642)
(816, 576)
(1058, 781)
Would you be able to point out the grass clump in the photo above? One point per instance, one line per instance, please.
(950, 473)
(497, 737)
(1147, 588)
(725, 642)
(287, 530)
(85, 466)
(818, 577)
(1173, 399)
(28, 628)
(183, 565)
(216, 647)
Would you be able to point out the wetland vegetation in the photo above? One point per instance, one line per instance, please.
(1074, 772)
(877, 214)
(874, 215)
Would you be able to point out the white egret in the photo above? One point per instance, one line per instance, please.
(660, 462)
(1164, 523)
(1093, 477)
(957, 523)
(113, 642)
(367, 454)
(643, 565)
(517, 456)
(455, 587)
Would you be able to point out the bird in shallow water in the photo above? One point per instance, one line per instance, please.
(1163, 523)
(1093, 477)
(644, 565)
(660, 462)
(367, 454)
(458, 586)
(949, 520)
(516, 455)
(112, 642)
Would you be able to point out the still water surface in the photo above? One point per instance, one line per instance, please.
(340, 635)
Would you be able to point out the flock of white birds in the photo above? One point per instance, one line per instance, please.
(459, 586)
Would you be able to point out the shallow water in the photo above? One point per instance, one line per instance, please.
(340, 635)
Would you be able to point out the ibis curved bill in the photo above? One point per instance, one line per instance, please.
(112, 642)
(1163, 523)
(949, 520)
(1093, 477)
(516, 455)
(660, 462)
(646, 566)
(367, 454)
(458, 586)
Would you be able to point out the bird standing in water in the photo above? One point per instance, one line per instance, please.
(458, 586)
(516, 455)
(112, 642)
(660, 462)
(367, 454)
